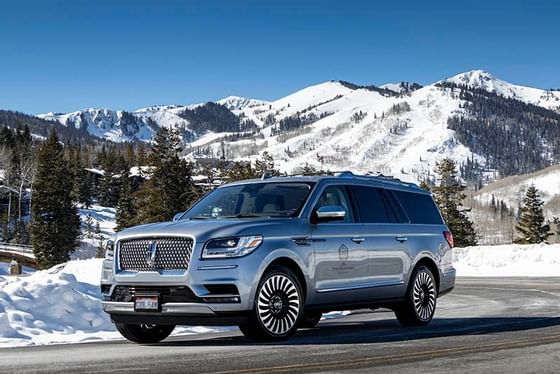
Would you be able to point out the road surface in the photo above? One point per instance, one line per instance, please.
(499, 325)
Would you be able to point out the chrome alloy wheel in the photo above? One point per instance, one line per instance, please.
(424, 295)
(278, 305)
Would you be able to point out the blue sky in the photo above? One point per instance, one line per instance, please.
(66, 55)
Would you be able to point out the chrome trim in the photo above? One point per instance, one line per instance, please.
(217, 267)
(117, 266)
(166, 309)
(362, 286)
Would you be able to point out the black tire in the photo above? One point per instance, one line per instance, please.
(420, 301)
(278, 307)
(144, 334)
(310, 319)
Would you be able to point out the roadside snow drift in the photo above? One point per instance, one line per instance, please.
(53, 306)
(516, 260)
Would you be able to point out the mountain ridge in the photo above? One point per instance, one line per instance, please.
(398, 129)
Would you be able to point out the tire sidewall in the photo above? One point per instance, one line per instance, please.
(289, 274)
(415, 275)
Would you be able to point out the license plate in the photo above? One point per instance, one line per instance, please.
(146, 303)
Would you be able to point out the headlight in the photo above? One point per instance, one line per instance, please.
(231, 247)
(109, 249)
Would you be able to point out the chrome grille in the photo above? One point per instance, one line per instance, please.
(170, 254)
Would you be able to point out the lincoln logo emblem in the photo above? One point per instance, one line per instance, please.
(152, 249)
(343, 252)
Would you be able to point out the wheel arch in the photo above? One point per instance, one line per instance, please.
(293, 267)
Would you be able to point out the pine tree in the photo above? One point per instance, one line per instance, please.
(21, 233)
(265, 166)
(126, 209)
(556, 222)
(169, 188)
(89, 227)
(449, 197)
(531, 225)
(308, 170)
(241, 171)
(55, 225)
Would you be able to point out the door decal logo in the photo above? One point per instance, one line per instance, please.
(343, 252)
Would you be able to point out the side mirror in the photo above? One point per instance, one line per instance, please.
(328, 213)
(178, 215)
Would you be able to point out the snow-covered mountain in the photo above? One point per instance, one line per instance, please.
(396, 129)
(511, 190)
(481, 79)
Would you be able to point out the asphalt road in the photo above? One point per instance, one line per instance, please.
(500, 325)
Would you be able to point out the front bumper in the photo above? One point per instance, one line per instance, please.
(114, 307)
(174, 314)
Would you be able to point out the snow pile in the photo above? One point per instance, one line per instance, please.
(536, 260)
(53, 306)
(60, 305)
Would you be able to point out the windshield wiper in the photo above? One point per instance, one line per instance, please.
(242, 215)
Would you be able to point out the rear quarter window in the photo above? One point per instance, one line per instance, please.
(420, 208)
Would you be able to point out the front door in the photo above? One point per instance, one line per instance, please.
(341, 260)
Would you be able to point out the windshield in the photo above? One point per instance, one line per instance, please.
(252, 200)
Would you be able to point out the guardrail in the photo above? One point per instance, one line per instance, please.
(17, 248)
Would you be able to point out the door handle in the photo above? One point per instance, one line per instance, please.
(358, 240)
(401, 239)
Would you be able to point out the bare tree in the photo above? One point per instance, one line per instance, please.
(26, 170)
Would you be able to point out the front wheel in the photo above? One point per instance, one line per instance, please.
(278, 307)
(144, 334)
(419, 305)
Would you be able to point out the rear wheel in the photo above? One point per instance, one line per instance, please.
(145, 334)
(278, 307)
(419, 305)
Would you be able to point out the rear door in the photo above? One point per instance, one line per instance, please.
(385, 239)
(425, 230)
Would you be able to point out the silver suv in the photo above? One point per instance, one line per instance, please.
(272, 255)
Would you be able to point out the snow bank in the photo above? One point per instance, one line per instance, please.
(537, 260)
(58, 305)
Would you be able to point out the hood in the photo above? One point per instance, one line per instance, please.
(203, 230)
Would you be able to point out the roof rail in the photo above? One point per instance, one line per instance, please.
(346, 174)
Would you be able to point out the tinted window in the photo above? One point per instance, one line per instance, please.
(396, 213)
(419, 207)
(371, 205)
(336, 196)
(252, 199)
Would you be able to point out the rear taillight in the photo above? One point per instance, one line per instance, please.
(449, 238)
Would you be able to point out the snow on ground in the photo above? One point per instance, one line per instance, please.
(536, 260)
(97, 225)
(511, 190)
(60, 305)
(5, 269)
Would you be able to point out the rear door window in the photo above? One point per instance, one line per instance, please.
(419, 207)
(371, 205)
